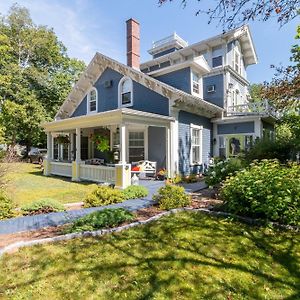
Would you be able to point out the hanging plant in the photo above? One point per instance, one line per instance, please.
(63, 139)
(101, 142)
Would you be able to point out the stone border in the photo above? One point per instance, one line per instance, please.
(70, 236)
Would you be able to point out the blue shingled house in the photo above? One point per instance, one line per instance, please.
(179, 109)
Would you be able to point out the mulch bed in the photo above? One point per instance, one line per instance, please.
(199, 200)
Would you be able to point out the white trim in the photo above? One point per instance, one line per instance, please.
(137, 129)
(88, 100)
(194, 126)
(120, 105)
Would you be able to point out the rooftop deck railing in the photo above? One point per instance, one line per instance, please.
(253, 108)
(168, 39)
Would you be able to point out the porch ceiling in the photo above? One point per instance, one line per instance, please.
(114, 117)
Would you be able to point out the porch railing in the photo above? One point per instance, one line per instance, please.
(98, 173)
(61, 169)
(253, 108)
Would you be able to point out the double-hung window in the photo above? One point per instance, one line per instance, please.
(136, 146)
(125, 92)
(196, 144)
(92, 101)
(236, 62)
(196, 84)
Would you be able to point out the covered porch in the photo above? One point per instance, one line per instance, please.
(125, 136)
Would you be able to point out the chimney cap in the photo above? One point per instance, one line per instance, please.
(132, 20)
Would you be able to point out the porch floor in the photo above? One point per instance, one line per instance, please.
(28, 223)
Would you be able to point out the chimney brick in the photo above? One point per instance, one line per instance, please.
(133, 43)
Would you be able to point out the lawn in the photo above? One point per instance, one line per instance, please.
(26, 183)
(184, 256)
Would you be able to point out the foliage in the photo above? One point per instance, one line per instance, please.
(284, 89)
(221, 169)
(135, 191)
(6, 206)
(103, 195)
(101, 142)
(63, 139)
(100, 219)
(190, 178)
(267, 190)
(42, 206)
(36, 75)
(163, 260)
(172, 196)
(268, 149)
(255, 91)
(231, 14)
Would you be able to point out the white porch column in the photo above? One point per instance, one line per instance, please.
(47, 162)
(123, 152)
(168, 151)
(71, 156)
(76, 163)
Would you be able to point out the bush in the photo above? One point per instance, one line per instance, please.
(6, 207)
(172, 196)
(103, 195)
(100, 219)
(42, 206)
(266, 190)
(221, 169)
(135, 191)
(266, 149)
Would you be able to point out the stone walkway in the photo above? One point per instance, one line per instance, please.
(54, 219)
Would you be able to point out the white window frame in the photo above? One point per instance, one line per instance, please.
(197, 83)
(200, 128)
(145, 131)
(89, 100)
(120, 92)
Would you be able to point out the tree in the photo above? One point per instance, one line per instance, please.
(36, 75)
(284, 89)
(232, 13)
(255, 91)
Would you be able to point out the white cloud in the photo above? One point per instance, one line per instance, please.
(82, 35)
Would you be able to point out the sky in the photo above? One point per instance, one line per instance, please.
(87, 26)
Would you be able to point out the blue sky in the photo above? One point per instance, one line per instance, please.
(87, 26)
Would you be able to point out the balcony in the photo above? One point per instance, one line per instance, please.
(263, 108)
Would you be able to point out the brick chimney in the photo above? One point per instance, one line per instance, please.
(133, 43)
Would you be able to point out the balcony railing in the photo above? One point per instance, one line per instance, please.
(168, 39)
(253, 108)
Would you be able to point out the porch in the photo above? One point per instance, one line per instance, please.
(101, 147)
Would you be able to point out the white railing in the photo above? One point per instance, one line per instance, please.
(61, 169)
(97, 173)
(168, 39)
(253, 108)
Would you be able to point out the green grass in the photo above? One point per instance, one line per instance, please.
(184, 256)
(26, 183)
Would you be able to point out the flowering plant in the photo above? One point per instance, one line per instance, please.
(101, 142)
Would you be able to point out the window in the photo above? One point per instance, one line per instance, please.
(222, 147)
(236, 62)
(234, 96)
(211, 88)
(217, 61)
(136, 146)
(196, 141)
(195, 82)
(92, 101)
(125, 92)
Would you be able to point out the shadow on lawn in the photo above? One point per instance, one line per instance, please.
(189, 256)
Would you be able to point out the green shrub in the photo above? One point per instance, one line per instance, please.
(221, 169)
(266, 190)
(103, 195)
(172, 196)
(100, 219)
(6, 207)
(42, 206)
(135, 191)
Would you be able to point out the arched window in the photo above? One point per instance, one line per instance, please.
(125, 92)
(92, 101)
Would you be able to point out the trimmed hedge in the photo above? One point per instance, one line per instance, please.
(42, 206)
(172, 196)
(267, 189)
(103, 195)
(105, 218)
(135, 191)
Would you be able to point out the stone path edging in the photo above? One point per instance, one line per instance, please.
(70, 236)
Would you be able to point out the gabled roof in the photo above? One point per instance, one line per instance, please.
(101, 62)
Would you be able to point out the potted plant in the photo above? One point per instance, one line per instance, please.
(63, 139)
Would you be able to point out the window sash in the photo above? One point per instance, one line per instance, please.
(196, 141)
(136, 145)
(126, 98)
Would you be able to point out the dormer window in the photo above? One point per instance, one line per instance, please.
(92, 101)
(125, 92)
